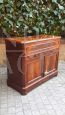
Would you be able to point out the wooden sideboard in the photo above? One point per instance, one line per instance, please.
(31, 61)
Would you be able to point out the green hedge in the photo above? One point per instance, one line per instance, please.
(20, 17)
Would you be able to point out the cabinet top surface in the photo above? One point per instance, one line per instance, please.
(30, 39)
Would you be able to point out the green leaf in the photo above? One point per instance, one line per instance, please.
(63, 28)
(55, 1)
(42, 23)
(36, 29)
(62, 21)
(55, 12)
(30, 15)
(60, 7)
(29, 31)
(1, 1)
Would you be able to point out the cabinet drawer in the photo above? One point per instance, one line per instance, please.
(42, 46)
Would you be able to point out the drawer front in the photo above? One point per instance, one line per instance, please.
(41, 46)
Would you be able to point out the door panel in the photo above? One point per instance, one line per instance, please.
(50, 63)
(33, 69)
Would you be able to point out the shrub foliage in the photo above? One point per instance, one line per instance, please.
(20, 17)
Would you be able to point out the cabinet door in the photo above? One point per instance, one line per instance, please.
(50, 63)
(33, 68)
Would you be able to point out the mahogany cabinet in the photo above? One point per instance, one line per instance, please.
(31, 61)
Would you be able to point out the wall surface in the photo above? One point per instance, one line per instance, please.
(2, 54)
(62, 52)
